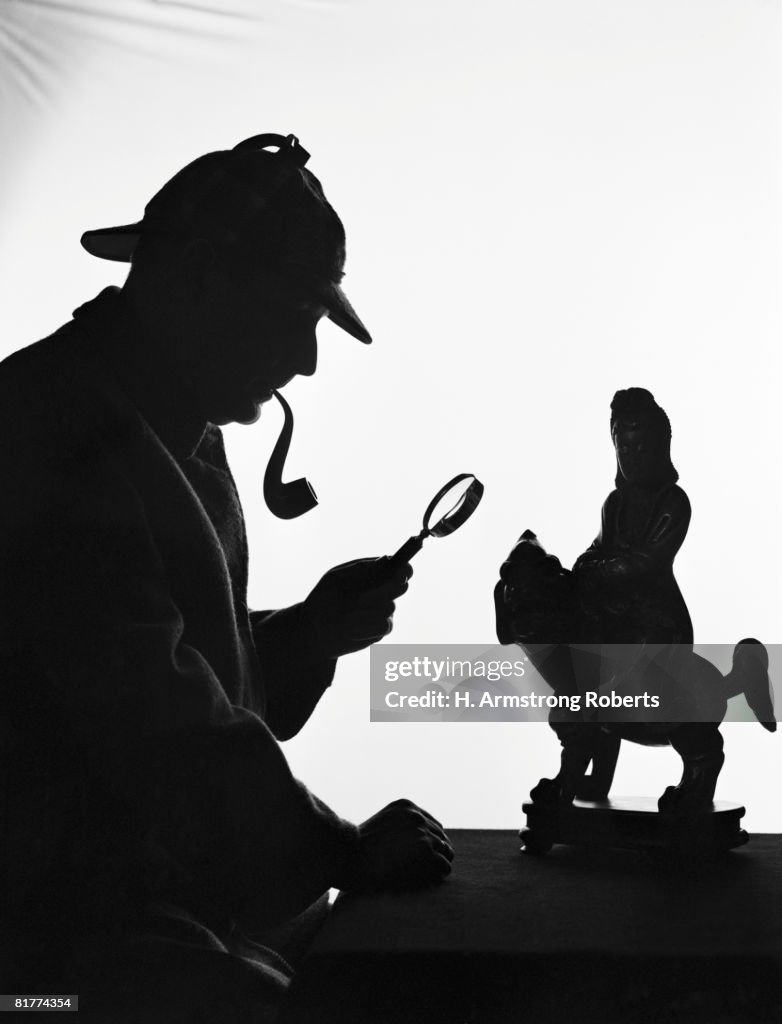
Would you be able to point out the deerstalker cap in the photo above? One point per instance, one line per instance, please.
(251, 193)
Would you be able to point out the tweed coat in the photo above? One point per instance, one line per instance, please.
(142, 702)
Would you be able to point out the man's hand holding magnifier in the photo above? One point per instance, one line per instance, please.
(353, 606)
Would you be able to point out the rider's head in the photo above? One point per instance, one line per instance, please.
(641, 433)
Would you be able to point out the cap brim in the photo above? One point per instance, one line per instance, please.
(119, 244)
(113, 243)
(343, 314)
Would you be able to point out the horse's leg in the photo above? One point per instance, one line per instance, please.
(699, 744)
(597, 784)
(578, 747)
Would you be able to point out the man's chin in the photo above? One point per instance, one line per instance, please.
(246, 420)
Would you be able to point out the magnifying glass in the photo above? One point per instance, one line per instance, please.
(449, 509)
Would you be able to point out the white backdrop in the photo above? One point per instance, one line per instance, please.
(545, 202)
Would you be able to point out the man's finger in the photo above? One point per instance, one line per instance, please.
(351, 646)
(368, 626)
(438, 834)
(378, 610)
(433, 820)
(384, 590)
(443, 847)
(423, 869)
(440, 866)
(392, 574)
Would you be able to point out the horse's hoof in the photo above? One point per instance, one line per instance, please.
(669, 800)
(680, 803)
(548, 795)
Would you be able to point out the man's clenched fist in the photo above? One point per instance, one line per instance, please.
(400, 847)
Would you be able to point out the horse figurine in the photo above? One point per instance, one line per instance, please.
(618, 620)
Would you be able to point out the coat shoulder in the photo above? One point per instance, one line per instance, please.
(55, 401)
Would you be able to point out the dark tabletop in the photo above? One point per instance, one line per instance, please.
(564, 932)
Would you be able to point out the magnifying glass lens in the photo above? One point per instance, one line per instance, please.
(448, 509)
(452, 506)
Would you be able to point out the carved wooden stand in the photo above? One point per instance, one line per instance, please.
(632, 823)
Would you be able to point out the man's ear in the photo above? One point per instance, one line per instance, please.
(199, 266)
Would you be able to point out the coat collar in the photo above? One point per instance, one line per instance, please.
(144, 374)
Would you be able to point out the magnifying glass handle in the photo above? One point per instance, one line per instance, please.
(388, 567)
(405, 553)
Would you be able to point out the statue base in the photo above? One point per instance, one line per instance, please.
(633, 823)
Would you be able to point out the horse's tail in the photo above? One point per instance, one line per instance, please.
(749, 675)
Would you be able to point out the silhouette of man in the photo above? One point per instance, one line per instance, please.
(152, 821)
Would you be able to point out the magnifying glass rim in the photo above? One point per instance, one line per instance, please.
(461, 511)
(474, 489)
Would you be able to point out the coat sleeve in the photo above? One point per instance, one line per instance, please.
(144, 709)
(294, 680)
